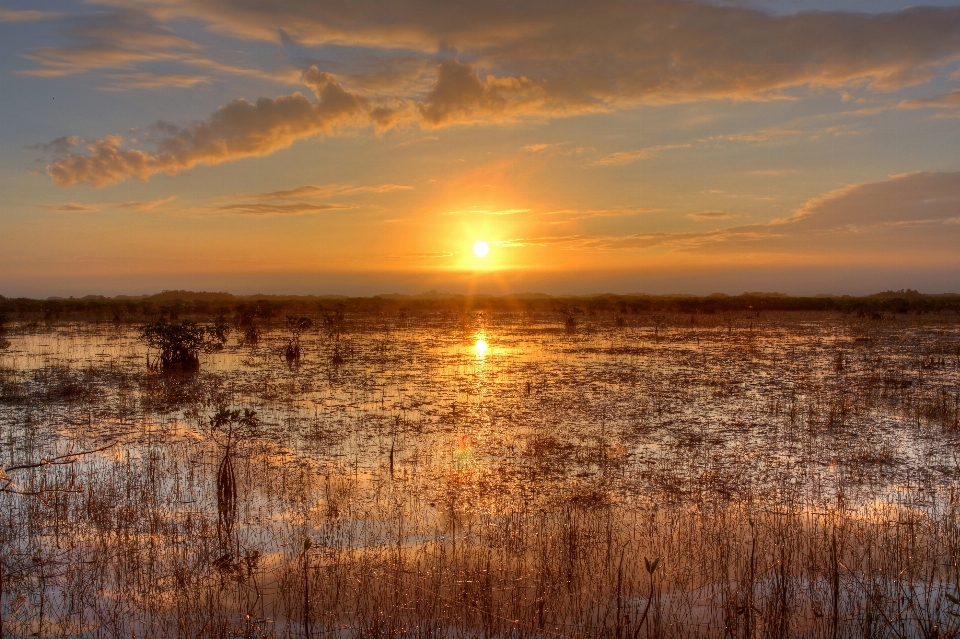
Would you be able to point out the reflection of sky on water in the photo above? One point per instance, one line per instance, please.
(689, 402)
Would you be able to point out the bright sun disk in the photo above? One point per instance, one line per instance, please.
(480, 249)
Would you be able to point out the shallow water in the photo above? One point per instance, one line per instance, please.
(438, 422)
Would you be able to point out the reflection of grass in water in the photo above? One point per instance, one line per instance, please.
(776, 469)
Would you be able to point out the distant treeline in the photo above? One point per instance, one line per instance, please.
(181, 304)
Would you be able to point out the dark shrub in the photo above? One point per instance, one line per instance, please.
(180, 345)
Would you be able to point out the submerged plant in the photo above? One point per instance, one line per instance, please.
(180, 345)
(230, 427)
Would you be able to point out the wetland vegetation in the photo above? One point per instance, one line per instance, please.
(527, 467)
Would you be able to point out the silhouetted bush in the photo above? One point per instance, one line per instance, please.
(180, 345)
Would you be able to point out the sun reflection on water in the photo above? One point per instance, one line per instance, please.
(480, 347)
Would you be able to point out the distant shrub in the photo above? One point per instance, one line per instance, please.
(180, 345)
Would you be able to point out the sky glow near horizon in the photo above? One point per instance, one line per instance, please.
(361, 147)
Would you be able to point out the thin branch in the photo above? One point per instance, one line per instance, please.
(58, 461)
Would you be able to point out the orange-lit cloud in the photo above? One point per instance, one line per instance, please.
(286, 208)
(237, 130)
(533, 59)
(313, 190)
(14, 15)
(460, 95)
(70, 207)
(711, 215)
(612, 50)
(628, 157)
(946, 101)
(859, 213)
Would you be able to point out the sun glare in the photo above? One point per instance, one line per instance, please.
(480, 249)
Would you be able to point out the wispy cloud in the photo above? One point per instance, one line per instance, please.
(770, 172)
(428, 255)
(14, 15)
(145, 206)
(627, 157)
(126, 40)
(327, 190)
(141, 80)
(70, 207)
(711, 215)
(488, 212)
(945, 101)
(272, 210)
(856, 213)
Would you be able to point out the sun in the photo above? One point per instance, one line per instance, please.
(480, 249)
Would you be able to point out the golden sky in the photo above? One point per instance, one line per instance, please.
(360, 147)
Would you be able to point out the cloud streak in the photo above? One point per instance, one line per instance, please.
(621, 158)
(261, 209)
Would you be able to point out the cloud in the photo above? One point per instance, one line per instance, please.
(271, 210)
(771, 172)
(711, 215)
(912, 198)
(429, 255)
(312, 190)
(70, 207)
(627, 157)
(236, 130)
(915, 210)
(460, 95)
(542, 241)
(501, 62)
(122, 82)
(946, 101)
(145, 206)
(755, 137)
(114, 40)
(13, 15)
(488, 212)
(125, 39)
(541, 55)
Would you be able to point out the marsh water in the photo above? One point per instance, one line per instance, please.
(488, 474)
